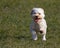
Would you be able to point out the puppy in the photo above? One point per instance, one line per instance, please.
(38, 24)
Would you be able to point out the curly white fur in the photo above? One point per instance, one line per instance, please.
(40, 26)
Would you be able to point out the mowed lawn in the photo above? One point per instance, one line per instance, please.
(15, 20)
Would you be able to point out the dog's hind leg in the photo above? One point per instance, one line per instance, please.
(44, 35)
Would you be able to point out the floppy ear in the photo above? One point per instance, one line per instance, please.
(32, 12)
(43, 15)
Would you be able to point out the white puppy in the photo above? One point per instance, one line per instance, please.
(38, 23)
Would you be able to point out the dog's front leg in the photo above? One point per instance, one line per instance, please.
(34, 35)
(33, 32)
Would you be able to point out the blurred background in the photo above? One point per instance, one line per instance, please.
(15, 20)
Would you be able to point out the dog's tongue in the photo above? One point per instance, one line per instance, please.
(36, 20)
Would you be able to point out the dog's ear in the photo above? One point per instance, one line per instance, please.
(32, 12)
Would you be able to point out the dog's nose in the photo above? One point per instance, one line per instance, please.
(36, 16)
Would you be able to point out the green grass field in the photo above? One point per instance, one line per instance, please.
(15, 20)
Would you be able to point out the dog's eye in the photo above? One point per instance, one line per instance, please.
(33, 12)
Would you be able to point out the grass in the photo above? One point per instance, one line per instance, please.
(15, 20)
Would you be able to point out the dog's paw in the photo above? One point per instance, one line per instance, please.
(44, 39)
(35, 38)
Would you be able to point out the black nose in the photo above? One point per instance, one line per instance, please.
(36, 17)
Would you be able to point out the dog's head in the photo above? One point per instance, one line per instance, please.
(37, 14)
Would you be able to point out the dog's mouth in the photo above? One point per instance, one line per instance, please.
(36, 19)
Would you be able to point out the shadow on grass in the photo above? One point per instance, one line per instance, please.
(23, 37)
(5, 35)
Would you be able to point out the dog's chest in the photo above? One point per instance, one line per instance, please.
(37, 27)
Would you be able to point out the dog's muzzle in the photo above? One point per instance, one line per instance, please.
(36, 19)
